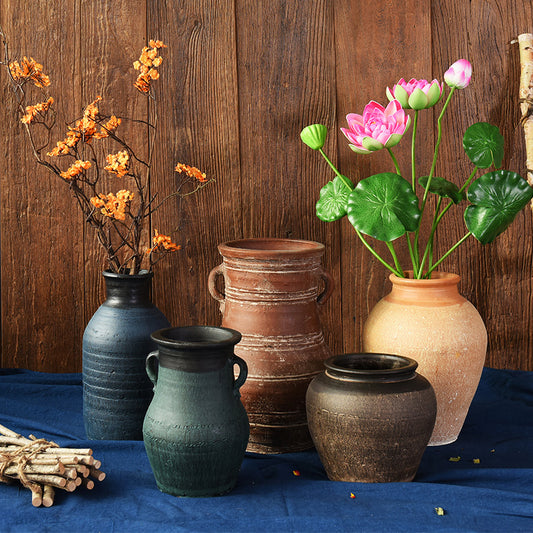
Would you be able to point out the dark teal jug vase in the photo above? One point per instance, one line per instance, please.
(196, 429)
(116, 390)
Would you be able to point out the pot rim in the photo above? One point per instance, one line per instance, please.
(142, 274)
(393, 365)
(196, 337)
(440, 279)
(266, 246)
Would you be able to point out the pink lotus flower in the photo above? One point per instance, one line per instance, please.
(416, 94)
(378, 128)
(459, 74)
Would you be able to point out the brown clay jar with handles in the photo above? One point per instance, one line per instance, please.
(273, 289)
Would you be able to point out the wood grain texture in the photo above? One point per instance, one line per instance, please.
(42, 269)
(198, 126)
(113, 35)
(496, 278)
(287, 81)
(240, 79)
(376, 45)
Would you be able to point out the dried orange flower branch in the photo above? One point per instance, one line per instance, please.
(118, 217)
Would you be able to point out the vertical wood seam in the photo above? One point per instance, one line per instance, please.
(339, 233)
(237, 82)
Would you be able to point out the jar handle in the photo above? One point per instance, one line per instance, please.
(243, 374)
(152, 366)
(212, 283)
(329, 285)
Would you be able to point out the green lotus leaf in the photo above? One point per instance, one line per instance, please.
(497, 197)
(442, 187)
(483, 144)
(384, 207)
(331, 205)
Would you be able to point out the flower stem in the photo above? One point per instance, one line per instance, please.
(429, 246)
(395, 258)
(395, 161)
(413, 163)
(437, 146)
(413, 255)
(438, 218)
(470, 178)
(433, 164)
(451, 250)
(377, 256)
(341, 177)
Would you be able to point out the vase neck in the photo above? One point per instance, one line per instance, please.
(195, 348)
(123, 290)
(441, 290)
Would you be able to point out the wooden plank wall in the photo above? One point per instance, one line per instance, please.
(239, 80)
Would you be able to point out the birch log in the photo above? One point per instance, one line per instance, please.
(525, 94)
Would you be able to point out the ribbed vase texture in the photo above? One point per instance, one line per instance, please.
(273, 289)
(116, 341)
(429, 321)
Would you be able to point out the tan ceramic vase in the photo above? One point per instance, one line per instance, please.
(272, 297)
(430, 322)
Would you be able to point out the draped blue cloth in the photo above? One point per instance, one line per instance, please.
(493, 493)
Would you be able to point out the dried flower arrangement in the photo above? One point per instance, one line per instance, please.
(118, 218)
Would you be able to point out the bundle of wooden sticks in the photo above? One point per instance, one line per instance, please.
(42, 466)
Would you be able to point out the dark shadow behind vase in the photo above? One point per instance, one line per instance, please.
(116, 341)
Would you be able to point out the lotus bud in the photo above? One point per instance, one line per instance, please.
(459, 74)
(314, 136)
(416, 94)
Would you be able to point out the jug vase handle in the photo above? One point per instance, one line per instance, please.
(152, 366)
(329, 285)
(243, 374)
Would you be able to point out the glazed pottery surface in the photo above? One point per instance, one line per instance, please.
(272, 296)
(371, 417)
(116, 390)
(196, 429)
(429, 321)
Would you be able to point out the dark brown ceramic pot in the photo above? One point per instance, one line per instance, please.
(272, 294)
(371, 417)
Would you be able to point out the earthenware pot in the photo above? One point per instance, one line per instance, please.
(428, 320)
(371, 417)
(116, 390)
(196, 429)
(273, 289)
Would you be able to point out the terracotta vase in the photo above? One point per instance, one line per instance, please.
(272, 296)
(196, 429)
(371, 417)
(429, 321)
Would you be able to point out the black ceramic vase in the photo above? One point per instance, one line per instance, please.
(116, 390)
(196, 429)
(370, 417)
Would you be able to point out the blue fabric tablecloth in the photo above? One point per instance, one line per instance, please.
(492, 494)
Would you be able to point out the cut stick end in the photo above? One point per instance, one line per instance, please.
(48, 496)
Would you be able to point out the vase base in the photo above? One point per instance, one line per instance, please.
(271, 439)
(199, 492)
(442, 442)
